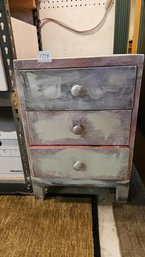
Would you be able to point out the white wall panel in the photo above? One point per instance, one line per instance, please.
(81, 15)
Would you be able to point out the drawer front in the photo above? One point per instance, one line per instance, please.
(79, 89)
(80, 163)
(79, 128)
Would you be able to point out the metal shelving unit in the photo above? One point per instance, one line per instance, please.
(9, 98)
(6, 42)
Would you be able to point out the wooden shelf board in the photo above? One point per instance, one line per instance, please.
(17, 4)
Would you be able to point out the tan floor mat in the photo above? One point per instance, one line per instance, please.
(50, 228)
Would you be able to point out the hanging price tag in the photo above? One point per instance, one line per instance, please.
(44, 56)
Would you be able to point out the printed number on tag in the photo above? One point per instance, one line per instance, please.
(44, 56)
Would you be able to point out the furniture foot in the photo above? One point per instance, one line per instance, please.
(39, 191)
(122, 191)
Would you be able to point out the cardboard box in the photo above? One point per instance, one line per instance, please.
(10, 160)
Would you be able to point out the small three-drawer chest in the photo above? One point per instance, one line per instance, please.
(79, 119)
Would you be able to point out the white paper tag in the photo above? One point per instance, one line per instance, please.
(44, 56)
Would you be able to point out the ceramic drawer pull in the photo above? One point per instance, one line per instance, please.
(78, 166)
(77, 90)
(77, 129)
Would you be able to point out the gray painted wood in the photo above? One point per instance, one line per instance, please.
(134, 115)
(39, 191)
(94, 127)
(77, 183)
(92, 163)
(88, 187)
(122, 94)
(122, 192)
(113, 60)
(99, 88)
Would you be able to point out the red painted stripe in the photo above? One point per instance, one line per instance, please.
(81, 147)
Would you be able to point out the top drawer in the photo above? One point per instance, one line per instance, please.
(79, 89)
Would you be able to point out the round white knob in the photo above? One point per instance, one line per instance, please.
(77, 90)
(77, 129)
(78, 165)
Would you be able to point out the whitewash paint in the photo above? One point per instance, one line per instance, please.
(97, 162)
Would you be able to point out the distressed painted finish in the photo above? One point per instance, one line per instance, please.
(134, 116)
(128, 88)
(39, 191)
(100, 61)
(98, 183)
(96, 128)
(122, 192)
(95, 163)
(100, 88)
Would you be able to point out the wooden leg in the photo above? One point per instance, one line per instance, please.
(39, 191)
(122, 191)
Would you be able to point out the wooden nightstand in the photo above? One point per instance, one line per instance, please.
(79, 119)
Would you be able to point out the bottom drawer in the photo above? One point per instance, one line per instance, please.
(80, 163)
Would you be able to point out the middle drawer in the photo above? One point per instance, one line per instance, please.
(79, 128)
